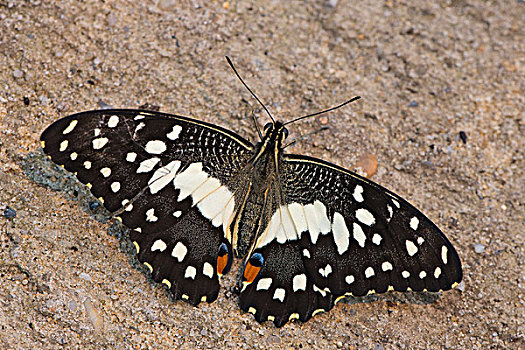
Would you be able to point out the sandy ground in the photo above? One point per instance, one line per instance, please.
(425, 72)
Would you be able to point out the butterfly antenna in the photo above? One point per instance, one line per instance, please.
(256, 124)
(302, 137)
(325, 111)
(251, 92)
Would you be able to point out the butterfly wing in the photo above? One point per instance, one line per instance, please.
(339, 234)
(170, 179)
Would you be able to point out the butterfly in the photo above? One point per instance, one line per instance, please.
(196, 196)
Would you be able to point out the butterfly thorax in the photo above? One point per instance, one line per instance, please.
(265, 193)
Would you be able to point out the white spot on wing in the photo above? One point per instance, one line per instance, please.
(96, 132)
(214, 204)
(179, 251)
(105, 172)
(63, 145)
(190, 272)
(322, 291)
(139, 127)
(73, 156)
(147, 165)
(131, 156)
(411, 247)
(279, 294)
(150, 215)
(414, 222)
(317, 220)
(444, 251)
(422, 274)
(326, 270)
(299, 282)
(115, 186)
(376, 239)
(420, 240)
(163, 176)
(437, 272)
(405, 274)
(87, 164)
(264, 284)
(158, 245)
(155, 147)
(298, 217)
(358, 193)
(365, 216)
(100, 142)
(359, 235)
(284, 225)
(189, 180)
(386, 266)
(369, 272)
(70, 127)
(207, 270)
(390, 212)
(349, 279)
(340, 232)
(113, 121)
(214, 201)
(174, 134)
(125, 204)
(306, 253)
(396, 203)
(177, 213)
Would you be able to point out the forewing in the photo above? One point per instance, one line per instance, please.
(171, 179)
(339, 234)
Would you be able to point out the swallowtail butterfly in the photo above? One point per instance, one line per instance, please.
(196, 196)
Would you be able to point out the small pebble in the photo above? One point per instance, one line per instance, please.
(366, 165)
(93, 205)
(85, 276)
(167, 4)
(463, 137)
(461, 286)
(26, 100)
(9, 213)
(104, 105)
(73, 305)
(43, 100)
(273, 339)
(93, 315)
(112, 20)
(413, 104)
(479, 248)
(18, 73)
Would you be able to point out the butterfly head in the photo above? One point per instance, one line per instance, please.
(276, 133)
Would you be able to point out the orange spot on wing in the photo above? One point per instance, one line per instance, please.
(250, 272)
(222, 262)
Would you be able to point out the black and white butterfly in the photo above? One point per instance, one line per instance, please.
(196, 196)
